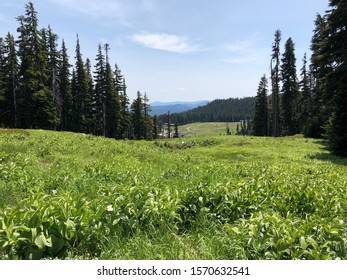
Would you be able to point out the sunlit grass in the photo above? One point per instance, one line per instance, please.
(70, 195)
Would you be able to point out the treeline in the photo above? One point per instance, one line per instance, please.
(316, 103)
(219, 110)
(39, 88)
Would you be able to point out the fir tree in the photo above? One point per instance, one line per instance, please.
(124, 125)
(36, 108)
(65, 89)
(320, 67)
(81, 102)
(54, 81)
(260, 121)
(137, 117)
(305, 100)
(275, 79)
(336, 79)
(99, 96)
(4, 117)
(112, 99)
(289, 102)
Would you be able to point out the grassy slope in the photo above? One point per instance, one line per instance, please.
(206, 129)
(221, 198)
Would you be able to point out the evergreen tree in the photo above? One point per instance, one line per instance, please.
(89, 105)
(260, 121)
(148, 125)
(320, 67)
(81, 101)
(155, 127)
(305, 101)
(124, 124)
(36, 108)
(112, 99)
(137, 117)
(289, 102)
(54, 81)
(65, 89)
(11, 79)
(336, 79)
(4, 118)
(275, 79)
(99, 96)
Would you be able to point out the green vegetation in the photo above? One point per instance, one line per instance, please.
(206, 129)
(66, 195)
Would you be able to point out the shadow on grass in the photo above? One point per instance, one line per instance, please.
(331, 158)
(325, 155)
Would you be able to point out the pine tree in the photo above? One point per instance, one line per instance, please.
(36, 108)
(11, 82)
(4, 114)
(81, 101)
(305, 101)
(148, 125)
(122, 103)
(124, 124)
(336, 79)
(65, 89)
(155, 131)
(137, 117)
(289, 102)
(54, 81)
(112, 99)
(89, 100)
(275, 79)
(320, 67)
(99, 96)
(260, 121)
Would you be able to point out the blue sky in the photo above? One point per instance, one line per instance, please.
(178, 49)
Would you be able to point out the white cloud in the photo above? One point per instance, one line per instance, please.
(239, 45)
(244, 51)
(124, 12)
(165, 42)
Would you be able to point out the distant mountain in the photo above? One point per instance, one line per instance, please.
(160, 108)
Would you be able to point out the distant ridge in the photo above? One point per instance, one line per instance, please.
(219, 110)
(160, 108)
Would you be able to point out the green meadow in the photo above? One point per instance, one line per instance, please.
(74, 196)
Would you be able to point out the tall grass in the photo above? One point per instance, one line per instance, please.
(66, 195)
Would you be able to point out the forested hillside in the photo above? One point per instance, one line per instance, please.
(219, 110)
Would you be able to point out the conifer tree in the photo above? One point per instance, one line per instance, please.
(89, 104)
(122, 105)
(148, 126)
(137, 117)
(112, 99)
(320, 67)
(99, 96)
(54, 81)
(260, 121)
(11, 81)
(275, 91)
(124, 124)
(336, 79)
(36, 108)
(81, 102)
(65, 89)
(289, 102)
(305, 100)
(3, 98)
